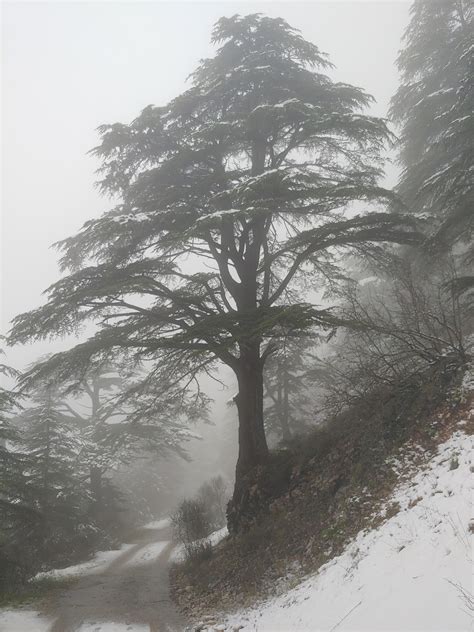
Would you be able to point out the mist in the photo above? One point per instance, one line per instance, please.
(228, 254)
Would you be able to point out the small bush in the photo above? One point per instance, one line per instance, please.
(195, 519)
(214, 496)
(191, 522)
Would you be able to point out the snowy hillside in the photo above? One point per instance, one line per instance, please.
(412, 573)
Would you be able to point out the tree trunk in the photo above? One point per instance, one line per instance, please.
(285, 416)
(95, 475)
(253, 449)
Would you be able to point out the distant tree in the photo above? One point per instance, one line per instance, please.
(289, 408)
(17, 518)
(232, 196)
(214, 496)
(53, 477)
(8, 434)
(434, 109)
(115, 416)
(95, 409)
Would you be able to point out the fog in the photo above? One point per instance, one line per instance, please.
(236, 314)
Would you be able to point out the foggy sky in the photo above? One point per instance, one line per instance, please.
(68, 67)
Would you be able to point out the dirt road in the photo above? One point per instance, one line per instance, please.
(130, 595)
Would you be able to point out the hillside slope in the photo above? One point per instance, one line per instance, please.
(315, 498)
(414, 572)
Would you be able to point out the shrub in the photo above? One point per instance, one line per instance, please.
(401, 327)
(214, 496)
(191, 522)
(195, 519)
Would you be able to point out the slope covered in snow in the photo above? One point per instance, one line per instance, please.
(414, 572)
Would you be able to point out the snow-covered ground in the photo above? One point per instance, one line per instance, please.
(214, 538)
(95, 565)
(24, 621)
(103, 558)
(30, 621)
(128, 557)
(147, 554)
(158, 524)
(111, 626)
(413, 573)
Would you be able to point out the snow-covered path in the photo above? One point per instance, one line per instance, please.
(128, 594)
(131, 594)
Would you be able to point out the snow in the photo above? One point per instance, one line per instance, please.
(218, 535)
(91, 567)
(130, 217)
(369, 280)
(162, 523)
(111, 626)
(146, 554)
(219, 214)
(214, 538)
(23, 621)
(414, 572)
(31, 621)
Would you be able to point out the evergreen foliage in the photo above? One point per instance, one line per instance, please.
(289, 407)
(53, 479)
(17, 517)
(45, 504)
(118, 417)
(433, 105)
(8, 435)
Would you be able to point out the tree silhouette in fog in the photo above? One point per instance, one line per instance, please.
(233, 198)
